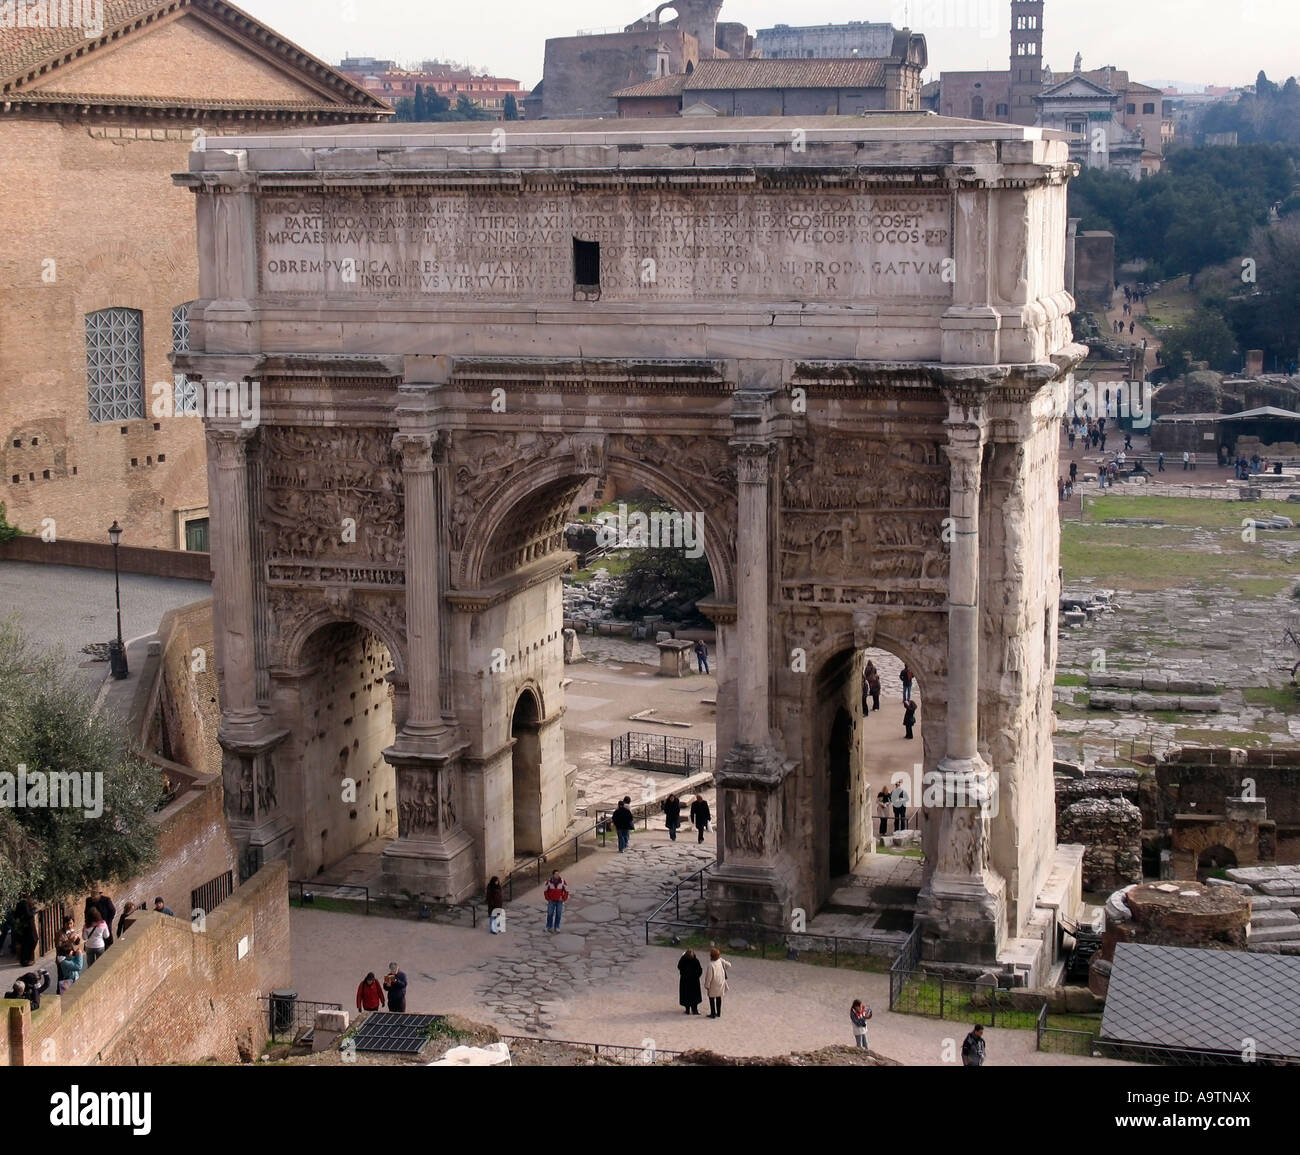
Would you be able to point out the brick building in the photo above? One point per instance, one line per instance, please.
(392, 84)
(94, 284)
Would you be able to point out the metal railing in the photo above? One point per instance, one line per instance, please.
(1183, 1057)
(288, 1019)
(307, 897)
(213, 892)
(616, 1050)
(667, 753)
(553, 856)
(676, 899)
(1061, 1040)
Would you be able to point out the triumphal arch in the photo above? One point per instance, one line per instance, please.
(843, 343)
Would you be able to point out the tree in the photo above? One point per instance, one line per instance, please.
(1205, 336)
(420, 111)
(1265, 314)
(48, 725)
(663, 579)
(511, 109)
(466, 109)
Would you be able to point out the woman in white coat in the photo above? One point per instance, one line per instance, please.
(715, 981)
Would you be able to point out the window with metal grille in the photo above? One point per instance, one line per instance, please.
(187, 392)
(114, 364)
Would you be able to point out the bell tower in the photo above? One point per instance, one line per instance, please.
(1026, 58)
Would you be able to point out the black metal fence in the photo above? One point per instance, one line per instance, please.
(664, 752)
(288, 1017)
(309, 892)
(212, 893)
(1062, 1041)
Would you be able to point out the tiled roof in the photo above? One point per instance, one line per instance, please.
(659, 86)
(725, 75)
(1203, 1000)
(24, 50)
(114, 100)
(737, 74)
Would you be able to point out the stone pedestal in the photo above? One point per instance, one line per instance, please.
(674, 658)
(257, 823)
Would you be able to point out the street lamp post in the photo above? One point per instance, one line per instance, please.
(116, 650)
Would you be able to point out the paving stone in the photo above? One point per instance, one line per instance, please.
(600, 912)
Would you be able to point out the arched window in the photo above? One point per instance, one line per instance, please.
(187, 392)
(977, 108)
(114, 364)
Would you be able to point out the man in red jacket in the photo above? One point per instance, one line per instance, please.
(370, 995)
(556, 894)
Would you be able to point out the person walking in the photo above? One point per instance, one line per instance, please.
(972, 1047)
(909, 718)
(689, 971)
(899, 800)
(701, 656)
(905, 676)
(1074, 472)
(1070, 436)
(1160, 462)
(1193, 460)
(1187, 459)
(859, 1013)
(866, 696)
(672, 808)
(496, 901)
(95, 934)
(700, 816)
(556, 895)
(873, 684)
(715, 981)
(26, 932)
(395, 988)
(370, 995)
(623, 823)
(882, 811)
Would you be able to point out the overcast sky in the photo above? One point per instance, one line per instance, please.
(1196, 42)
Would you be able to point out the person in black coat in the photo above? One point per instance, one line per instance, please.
(909, 718)
(395, 988)
(700, 816)
(104, 904)
(31, 986)
(672, 807)
(688, 985)
(26, 932)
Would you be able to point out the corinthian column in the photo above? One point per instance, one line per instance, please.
(424, 719)
(753, 469)
(965, 447)
(232, 563)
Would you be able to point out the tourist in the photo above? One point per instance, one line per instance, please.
(395, 988)
(26, 931)
(700, 816)
(672, 808)
(162, 908)
(126, 921)
(370, 995)
(1060, 488)
(31, 986)
(899, 800)
(1160, 462)
(1074, 473)
(1101, 440)
(859, 1013)
(701, 656)
(495, 903)
(1187, 459)
(715, 981)
(905, 676)
(689, 971)
(866, 696)
(106, 909)
(1132, 328)
(882, 811)
(96, 935)
(1193, 460)
(909, 718)
(68, 952)
(1128, 440)
(623, 823)
(556, 895)
(1070, 435)
(972, 1047)
(873, 684)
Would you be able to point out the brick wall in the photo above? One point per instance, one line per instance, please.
(165, 993)
(170, 563)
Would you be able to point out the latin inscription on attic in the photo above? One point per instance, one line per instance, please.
(655, 245)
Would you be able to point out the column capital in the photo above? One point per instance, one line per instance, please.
(753, 461)
(229, 445)
(420, 450)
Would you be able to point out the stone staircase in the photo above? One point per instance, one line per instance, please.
(1274, 905)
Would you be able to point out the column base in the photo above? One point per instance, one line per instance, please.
(268, 841)
(962, 918)
(746, 897)
(431, 744)
(441, 869)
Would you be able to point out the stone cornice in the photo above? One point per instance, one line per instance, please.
(477, 601)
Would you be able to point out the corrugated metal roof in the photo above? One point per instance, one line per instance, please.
(1204, 1000)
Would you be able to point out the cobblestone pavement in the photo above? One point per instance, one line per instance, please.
(531, 986)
